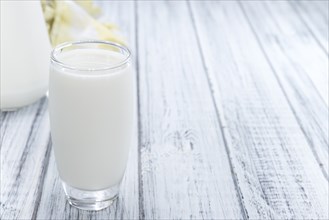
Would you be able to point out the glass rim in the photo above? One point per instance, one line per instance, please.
(68, 44)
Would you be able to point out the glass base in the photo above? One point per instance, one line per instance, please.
(91, 200)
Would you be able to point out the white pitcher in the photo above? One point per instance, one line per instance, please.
(25, 50)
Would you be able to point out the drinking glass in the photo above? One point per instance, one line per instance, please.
(91, 107)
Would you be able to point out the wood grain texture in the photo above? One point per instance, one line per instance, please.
(53, 204)
(185, 172)
(297, 42)
(278, 177)
(301, 46)
(290, 69)
(25, 153)
(315, 16)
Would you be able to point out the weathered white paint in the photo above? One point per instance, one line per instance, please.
(298, 44)
(310, 110)
(232, 118)
(25, 152)
(315, 16)
(278, 176)
(185, 169)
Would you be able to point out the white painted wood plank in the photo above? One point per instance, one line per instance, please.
(299, 45)
(322, 6)
(185, 172)
(24, 158)
(53, 204)
(278, 177)
(311, 112)
(315, 15)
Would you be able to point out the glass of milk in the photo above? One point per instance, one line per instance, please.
(91, 105)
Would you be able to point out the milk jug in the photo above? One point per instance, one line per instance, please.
(25, 50)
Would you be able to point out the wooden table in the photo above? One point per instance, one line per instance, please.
(232, 117)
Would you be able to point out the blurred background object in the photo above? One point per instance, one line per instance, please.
(76, 20)
(25, 45)
(25, 52)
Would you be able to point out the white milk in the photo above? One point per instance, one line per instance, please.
(25, 50)
(91, 116)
